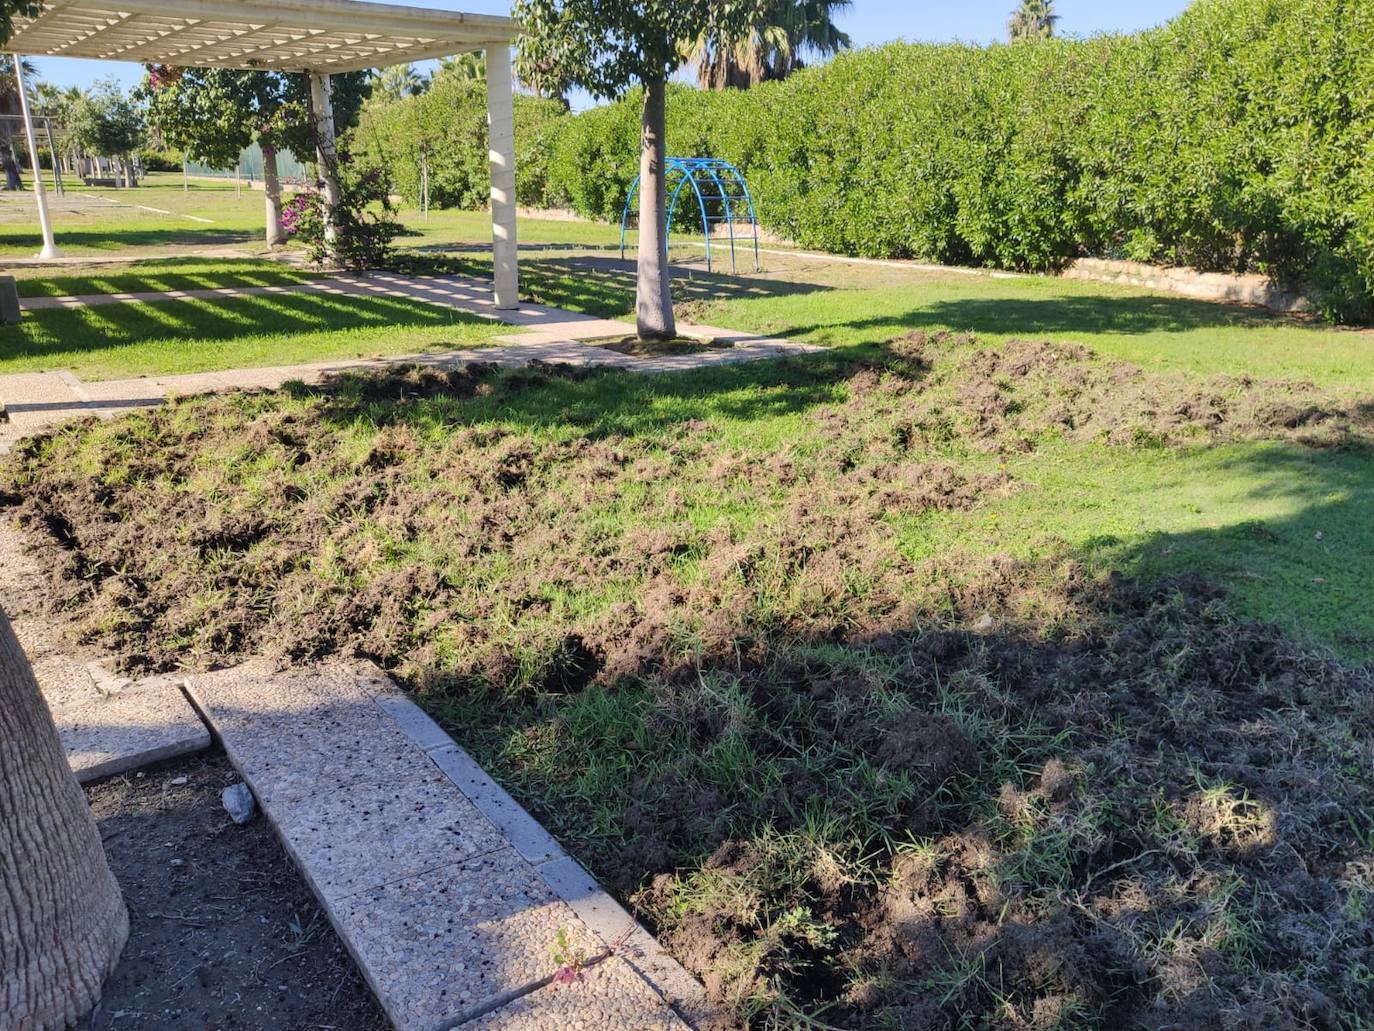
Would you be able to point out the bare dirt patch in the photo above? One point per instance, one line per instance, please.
(638, 348)
(223, 931)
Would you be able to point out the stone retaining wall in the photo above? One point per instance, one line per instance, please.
(1207, 286)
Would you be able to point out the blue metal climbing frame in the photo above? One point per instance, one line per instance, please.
(722, 197)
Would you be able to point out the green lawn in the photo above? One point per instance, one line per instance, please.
(114, 341)
(156, 217)
(157, 274)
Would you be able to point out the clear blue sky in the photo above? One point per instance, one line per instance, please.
(868, 21)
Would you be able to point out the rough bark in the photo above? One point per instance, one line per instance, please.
(62, 921)
(271, 190)
(654, 292)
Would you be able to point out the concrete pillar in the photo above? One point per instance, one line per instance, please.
(40, 194)
(324, 151)
(501, 128)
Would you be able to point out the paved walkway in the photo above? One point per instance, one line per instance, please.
(35, 400)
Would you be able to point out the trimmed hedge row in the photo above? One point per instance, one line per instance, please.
(448, 125)
(1239, 137)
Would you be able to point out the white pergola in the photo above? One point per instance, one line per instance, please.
(318, 37)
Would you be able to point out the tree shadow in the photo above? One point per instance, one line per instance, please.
(1009, 315)
(115, 239)
(49, 333)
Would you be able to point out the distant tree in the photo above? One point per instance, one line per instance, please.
(397, 82)
(464, 67)
(105, 122)
(212, 114)
(1034, 19)
(606, 47)
(773, 47)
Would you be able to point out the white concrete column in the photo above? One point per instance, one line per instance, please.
(505, 263)
(40, 194)
(324, 151)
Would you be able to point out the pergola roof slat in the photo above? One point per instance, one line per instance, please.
(284, 35)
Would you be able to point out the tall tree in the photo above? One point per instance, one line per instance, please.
(105, 122)
(397, 82)
(212, 114)
(1034, 19)
(62, 921)
(788, 34)
(464, 67)
(607, 47)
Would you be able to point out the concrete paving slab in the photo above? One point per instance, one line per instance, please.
(64, 681)
(604, 997)
(124, 731)
(448, 945)
(413, 721)
(299, 734)
(380, 830)
(622, 934)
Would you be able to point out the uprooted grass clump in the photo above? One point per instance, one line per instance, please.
(847, 780)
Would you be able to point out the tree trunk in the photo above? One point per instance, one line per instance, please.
(62, 921)
(654, 293)
(271, 190)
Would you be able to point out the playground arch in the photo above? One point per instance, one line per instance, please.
(722, 197)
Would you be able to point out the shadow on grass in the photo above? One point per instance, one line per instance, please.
(1030, 317)
(605, 287)
(107, 327)
(121, 239)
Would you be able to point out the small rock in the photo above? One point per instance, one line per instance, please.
(238, 802)
(179, 781)
(178, 862)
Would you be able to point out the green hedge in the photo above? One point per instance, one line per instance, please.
(1239, 137)
(448, 122)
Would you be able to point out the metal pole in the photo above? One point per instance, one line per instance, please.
(40, 195)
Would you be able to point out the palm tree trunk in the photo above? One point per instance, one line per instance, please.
(62, 921)
(271, 189)
(654, 293)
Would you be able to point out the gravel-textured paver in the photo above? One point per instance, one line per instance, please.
(141, 725)
(451, 943)
(449, 896)
(608, 996)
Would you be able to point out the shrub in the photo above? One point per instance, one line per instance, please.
(447, 124)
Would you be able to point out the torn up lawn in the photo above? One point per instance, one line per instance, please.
(751, 644)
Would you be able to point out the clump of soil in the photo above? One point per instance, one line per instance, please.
(223, 931)
(1010, 396)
